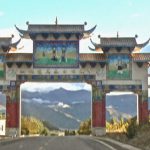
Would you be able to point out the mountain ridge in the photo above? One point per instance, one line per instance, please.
(65, 109)
(54, 95)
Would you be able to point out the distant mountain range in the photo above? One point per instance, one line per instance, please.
(121, 106)
(60, 95)
(62, 108)
(66, 109)
(2, 109)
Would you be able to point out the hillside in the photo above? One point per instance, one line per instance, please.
(32, 125)
(66, 109)
(121, 106)
(141, 138)
(59, 107)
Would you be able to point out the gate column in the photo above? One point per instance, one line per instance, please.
(143, 107)
(12, 110)
(98, 111)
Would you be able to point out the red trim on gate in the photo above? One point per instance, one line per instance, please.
(12, 114)
(143, 112)
(98, 114)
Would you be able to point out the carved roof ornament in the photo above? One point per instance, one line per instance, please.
(136, 36)
(97, 47)
(56, 21)
(6, 44)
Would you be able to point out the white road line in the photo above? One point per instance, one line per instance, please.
(105, 144)
(122, 144)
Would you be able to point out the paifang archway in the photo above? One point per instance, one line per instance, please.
(56, 58)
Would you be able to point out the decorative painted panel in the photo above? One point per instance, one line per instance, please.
(11, 74)
(119, 67)
(2, 70)
(134, 88)
(145, 95)
(55, 78)
(56, 54)
(97, 93)
(13, 91)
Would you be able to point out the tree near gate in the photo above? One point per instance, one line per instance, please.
(85, 127)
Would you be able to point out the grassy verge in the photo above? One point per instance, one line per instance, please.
(136, 135)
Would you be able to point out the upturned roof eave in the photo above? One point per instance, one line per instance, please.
(107, 45)
(84, 33)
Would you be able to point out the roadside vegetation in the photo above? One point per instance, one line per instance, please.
(32, 126)
(85, 127)
(130, 132)
(117, 126)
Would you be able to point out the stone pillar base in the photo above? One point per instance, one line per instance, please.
(98, 131)
(12, 132)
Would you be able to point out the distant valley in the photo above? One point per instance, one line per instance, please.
(66, 109)
(63, 108)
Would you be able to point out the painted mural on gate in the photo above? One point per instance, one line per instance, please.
(118, 67)
(2, 71)
(56, 53)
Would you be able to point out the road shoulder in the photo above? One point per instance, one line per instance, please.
(117, 144)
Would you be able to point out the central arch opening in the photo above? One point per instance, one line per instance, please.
(54, 106)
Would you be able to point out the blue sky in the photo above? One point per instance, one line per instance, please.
(128, 17)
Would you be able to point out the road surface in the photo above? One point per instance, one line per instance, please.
(57, 143)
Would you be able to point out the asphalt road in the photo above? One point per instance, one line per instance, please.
(57, 143)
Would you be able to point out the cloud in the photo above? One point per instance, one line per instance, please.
(62, 105)
(46, 87)
(40, 87)
(26, 100)
(25, 46)
(2, 107)
(1, 13)
(84, 43)
(59, 105)
(6, 32)
(135, 15)
(119, 93)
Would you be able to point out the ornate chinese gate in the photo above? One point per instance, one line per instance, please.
(118, 67)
